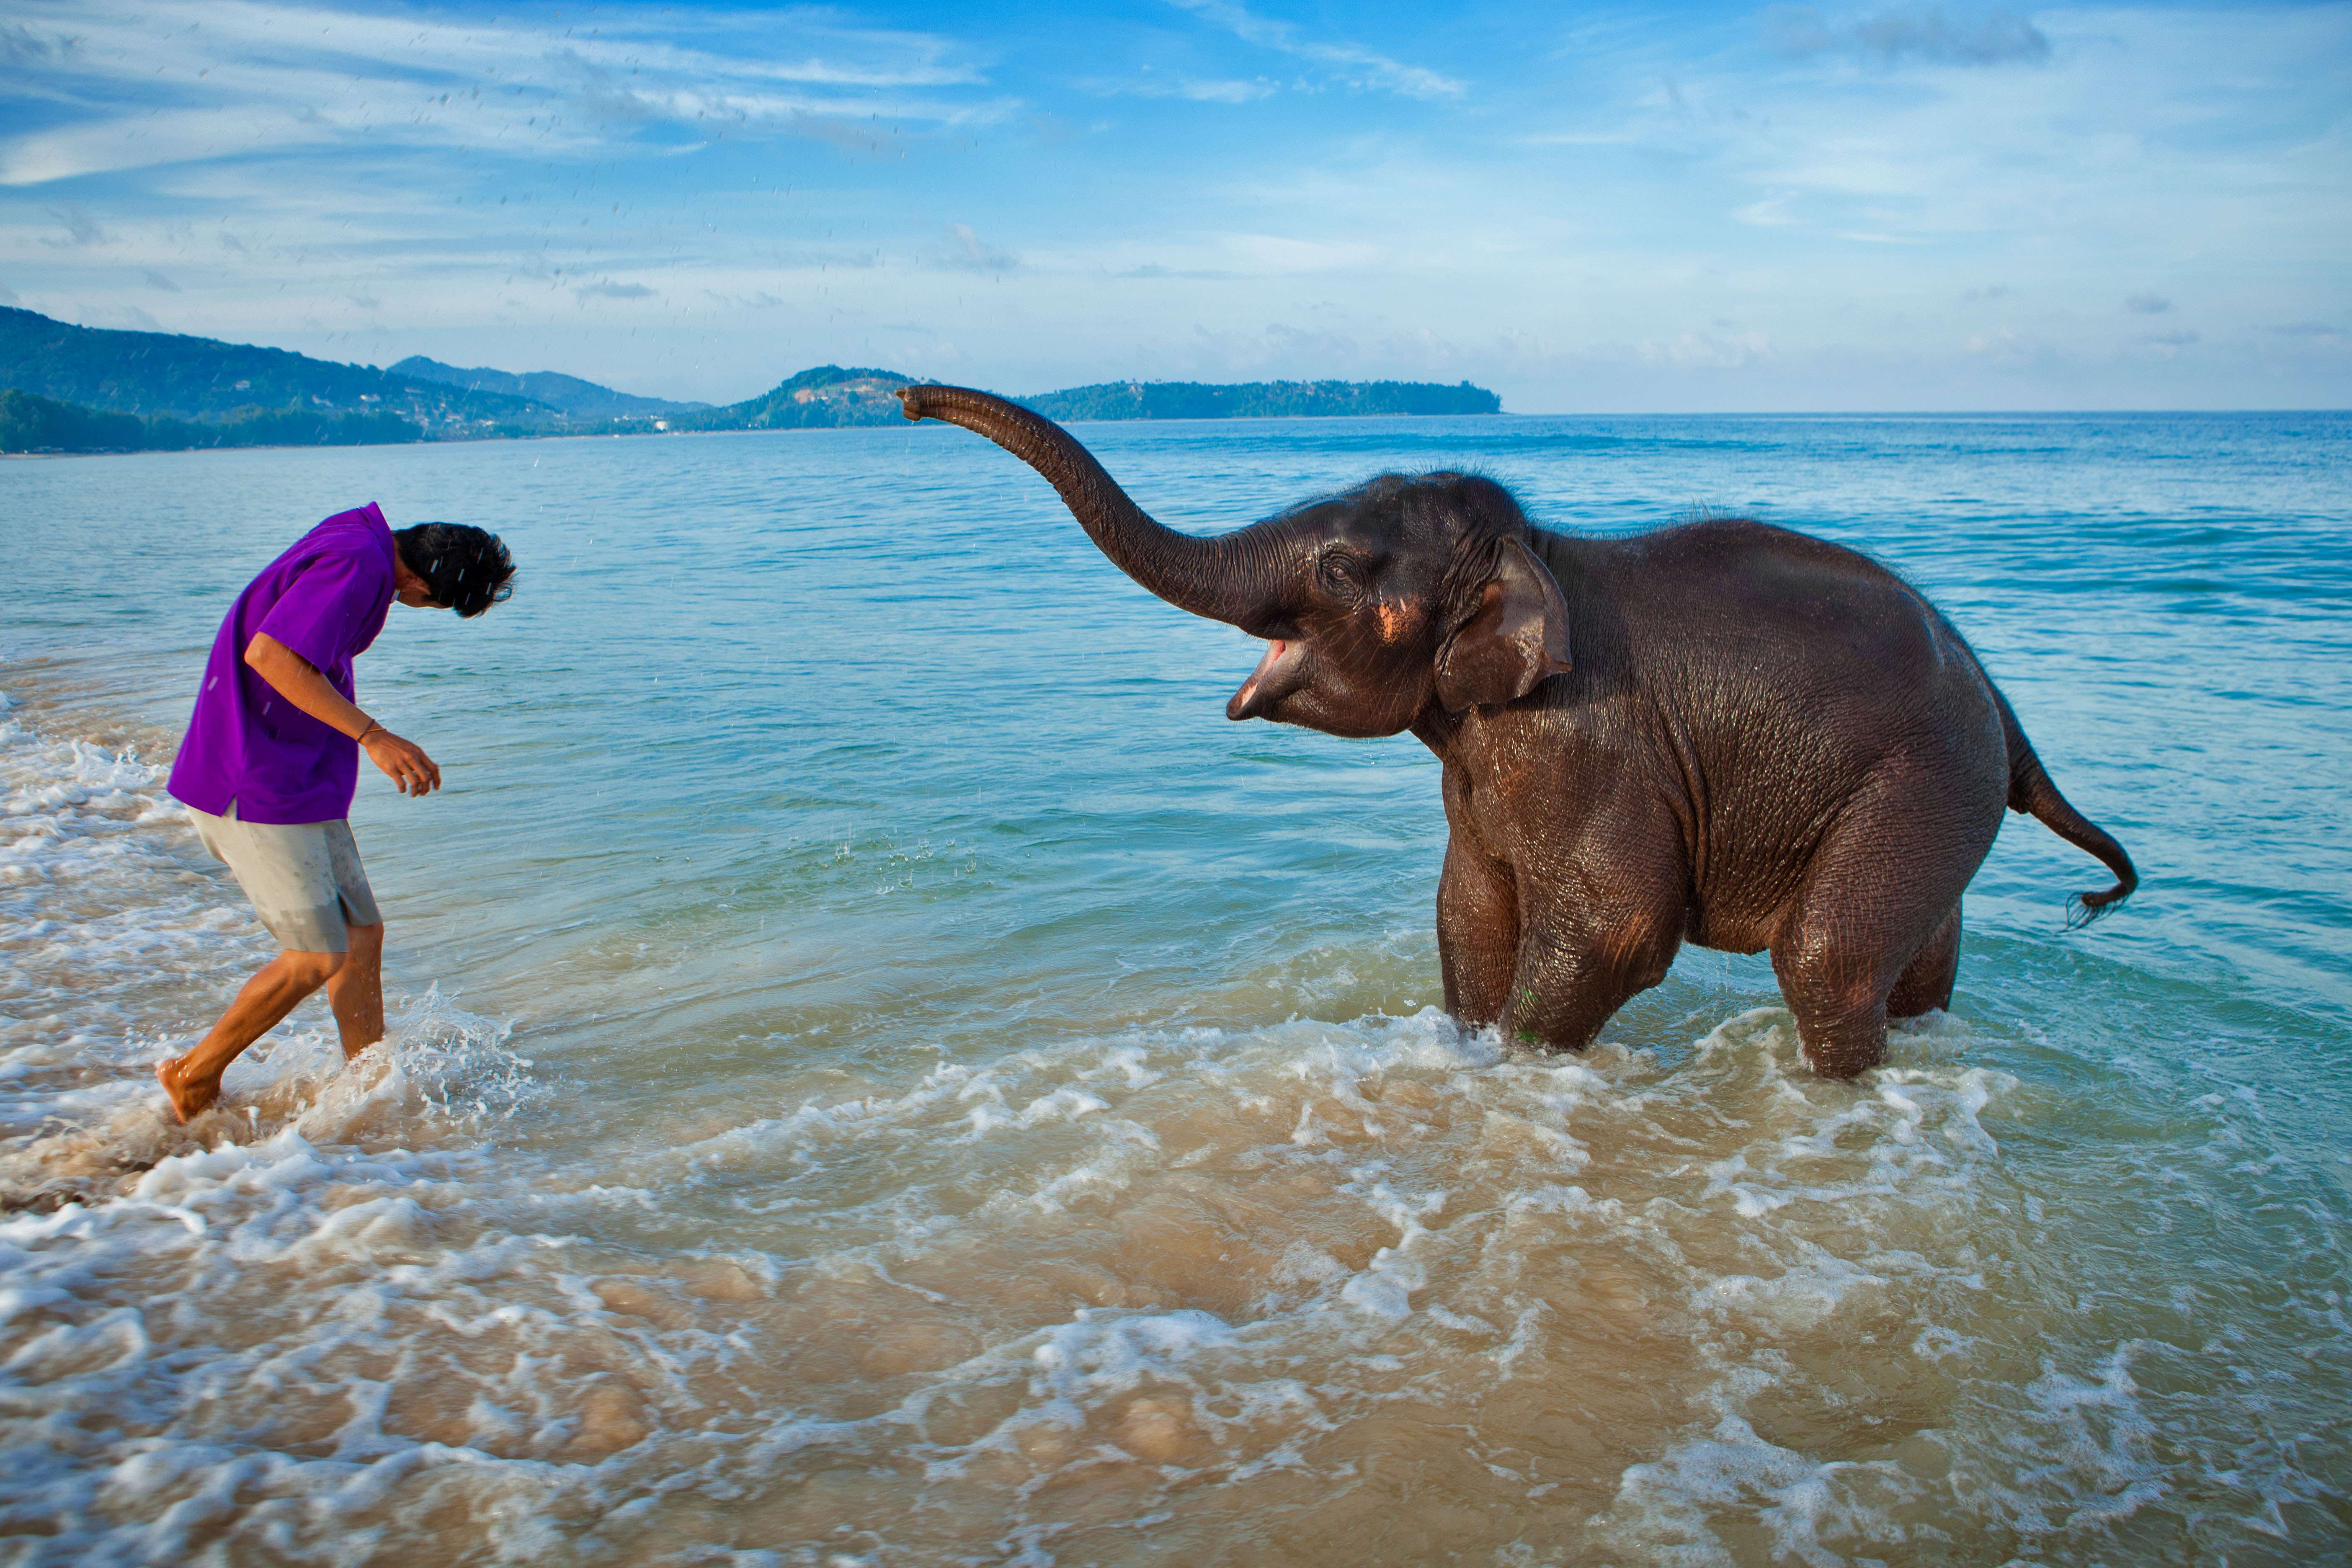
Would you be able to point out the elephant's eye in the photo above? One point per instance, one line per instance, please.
(1340, 575)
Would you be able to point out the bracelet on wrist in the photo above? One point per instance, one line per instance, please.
(371, 728)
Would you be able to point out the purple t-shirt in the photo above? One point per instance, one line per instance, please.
(325, 599)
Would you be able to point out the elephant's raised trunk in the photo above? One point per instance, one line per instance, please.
(1213, 577)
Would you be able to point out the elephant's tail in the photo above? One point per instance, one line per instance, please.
(2031, 792)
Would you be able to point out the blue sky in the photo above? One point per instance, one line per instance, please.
(1695, 208)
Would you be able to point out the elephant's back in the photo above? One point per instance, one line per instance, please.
(1738, 611)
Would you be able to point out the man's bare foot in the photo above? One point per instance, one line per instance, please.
(354, 1053)
(189, 1096)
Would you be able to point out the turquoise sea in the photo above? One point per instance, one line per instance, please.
(884, 1073)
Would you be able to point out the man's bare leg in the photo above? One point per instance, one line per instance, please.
(356, 991)
(193, 1081)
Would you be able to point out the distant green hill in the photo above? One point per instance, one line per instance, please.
(179, 392)
(832, 395)
(566, 395)
(826, 396)
(151, 374)
(34, 424)
(1262, 400)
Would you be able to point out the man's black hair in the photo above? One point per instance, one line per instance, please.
(467, 567)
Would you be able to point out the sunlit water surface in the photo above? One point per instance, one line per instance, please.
(885, 1073)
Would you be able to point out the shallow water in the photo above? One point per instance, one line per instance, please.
(884, 1072)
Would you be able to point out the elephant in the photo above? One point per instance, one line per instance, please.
(1720, 731)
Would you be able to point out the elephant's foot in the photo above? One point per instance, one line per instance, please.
(1846, 1050)
(1541, 1021)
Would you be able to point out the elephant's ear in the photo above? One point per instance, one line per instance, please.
(1515, 636)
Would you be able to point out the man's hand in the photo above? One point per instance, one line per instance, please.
(297, 680)
(404, 762)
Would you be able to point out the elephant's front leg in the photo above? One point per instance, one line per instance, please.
(1577, 966)
(1477, 933)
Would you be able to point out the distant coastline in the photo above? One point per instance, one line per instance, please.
(70, 389)
(1263, 400)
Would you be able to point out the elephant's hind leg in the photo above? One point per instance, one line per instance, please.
(1877, 929)
(1477, 934)
(1926, 984)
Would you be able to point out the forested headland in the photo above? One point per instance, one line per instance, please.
(67, 388)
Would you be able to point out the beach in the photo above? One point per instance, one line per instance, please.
(883, 1071)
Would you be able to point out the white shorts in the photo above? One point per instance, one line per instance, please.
(304, 877)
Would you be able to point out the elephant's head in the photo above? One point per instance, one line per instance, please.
(1400, 593)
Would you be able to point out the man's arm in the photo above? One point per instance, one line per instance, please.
(297, 680)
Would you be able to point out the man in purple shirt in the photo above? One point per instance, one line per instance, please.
(272, 757)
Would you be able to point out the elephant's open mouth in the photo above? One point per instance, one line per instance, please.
(1282, 671)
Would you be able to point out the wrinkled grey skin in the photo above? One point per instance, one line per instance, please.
(1721, 732)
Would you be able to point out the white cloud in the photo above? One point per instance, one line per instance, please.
(1287, 254)
(2144, 126)
(963, 249)
(1909, 32)
(1771, 229)
(1194, 89)
(79, 227)
(1224, 91)
(1710, 348)
(1772, 212)
(1352, 63)
(134, 85)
